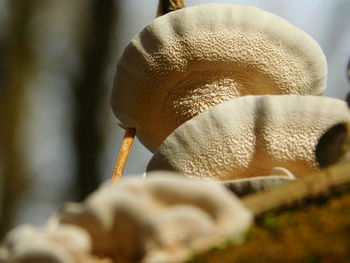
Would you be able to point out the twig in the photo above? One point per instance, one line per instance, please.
(167, 6)
(123, 153)
(312, 186)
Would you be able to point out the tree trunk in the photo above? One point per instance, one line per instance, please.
(88, 92)
(16, 62)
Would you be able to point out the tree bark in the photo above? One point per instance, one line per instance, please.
(316, 185)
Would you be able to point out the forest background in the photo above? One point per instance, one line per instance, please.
(58, 136)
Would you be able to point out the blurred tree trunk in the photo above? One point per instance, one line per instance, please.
(16, 61)
(89, 91)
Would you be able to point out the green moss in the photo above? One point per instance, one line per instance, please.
(318, 232)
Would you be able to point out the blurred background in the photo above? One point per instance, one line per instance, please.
(58, 136)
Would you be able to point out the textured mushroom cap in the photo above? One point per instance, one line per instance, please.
(192, 59)
(248, 136)
(150, 219)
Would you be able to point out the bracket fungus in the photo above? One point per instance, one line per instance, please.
(190, 60)
(249, 136)
(161, 219)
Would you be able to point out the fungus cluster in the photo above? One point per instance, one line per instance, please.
(134, 221)
(225, 91)
(220, 92)
(187, 61)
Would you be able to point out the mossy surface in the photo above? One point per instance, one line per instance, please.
(317, 232)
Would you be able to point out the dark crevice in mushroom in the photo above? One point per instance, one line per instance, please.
(332, 145)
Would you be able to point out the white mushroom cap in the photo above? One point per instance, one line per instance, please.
(192, 59)
(248, 136)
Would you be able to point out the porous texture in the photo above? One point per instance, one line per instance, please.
(161, 219)
(192, 59)
(248, 136)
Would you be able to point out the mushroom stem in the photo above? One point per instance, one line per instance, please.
(167, 6)
(123, 154)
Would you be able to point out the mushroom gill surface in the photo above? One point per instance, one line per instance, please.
(248, 136)
(189, 60)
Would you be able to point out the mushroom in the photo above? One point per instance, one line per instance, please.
(162, 219)
(164, 7)
(248, 136)
(190, 60)
(165, 218)
(64, 244)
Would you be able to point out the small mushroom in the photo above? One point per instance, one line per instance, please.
(187, 61)
(64, 244)
(248, 136)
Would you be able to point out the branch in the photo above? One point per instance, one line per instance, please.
(167, 6)
(318, 184)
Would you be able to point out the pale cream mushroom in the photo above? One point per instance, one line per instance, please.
(161, 219)
(62, 244)
(187, 61)
(248, 136)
